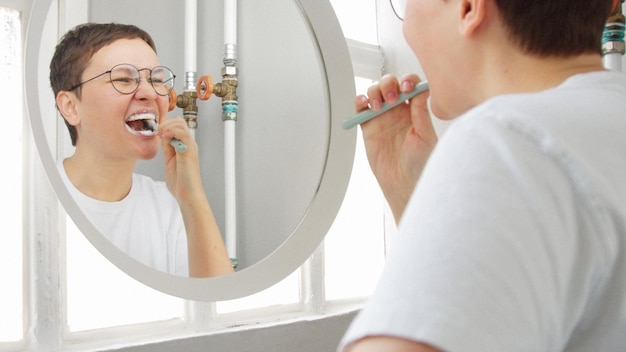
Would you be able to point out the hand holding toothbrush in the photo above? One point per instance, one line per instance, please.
(400, 140)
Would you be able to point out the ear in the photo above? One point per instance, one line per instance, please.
(472, 15)
(66, 103)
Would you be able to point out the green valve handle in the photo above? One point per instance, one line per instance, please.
(370, 114)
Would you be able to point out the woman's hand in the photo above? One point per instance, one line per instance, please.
(398, 142)
(182, 170)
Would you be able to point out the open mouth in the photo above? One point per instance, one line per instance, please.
(142, 124)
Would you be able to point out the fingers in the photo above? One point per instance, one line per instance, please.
(386, 90)
(420, 117)
(175, 129)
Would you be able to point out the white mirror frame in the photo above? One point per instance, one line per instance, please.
(335, 66)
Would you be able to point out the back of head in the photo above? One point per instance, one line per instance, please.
(76, 48)
(557, 28)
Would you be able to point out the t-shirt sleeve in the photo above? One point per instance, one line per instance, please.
(486, 253)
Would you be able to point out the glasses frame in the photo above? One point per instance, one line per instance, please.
(137, 80)
(395, 12)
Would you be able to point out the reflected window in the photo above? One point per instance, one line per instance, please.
(11, 143)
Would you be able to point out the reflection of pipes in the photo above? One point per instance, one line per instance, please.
(227, 90)
(613, 46)
(229, 116)
(187, 100)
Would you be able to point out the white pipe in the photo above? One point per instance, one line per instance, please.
(230, 44)
(230, 188)
(230, 22)
(612, 61)
(191, 42)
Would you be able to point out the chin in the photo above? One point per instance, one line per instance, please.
(148, 153)
(439, 112)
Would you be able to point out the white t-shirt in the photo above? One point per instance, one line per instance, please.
(147, 224)
(515, 236)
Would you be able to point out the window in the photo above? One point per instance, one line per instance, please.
(114, 303)
(134, 302)
(11, 320)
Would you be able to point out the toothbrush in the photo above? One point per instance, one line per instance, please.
(178, 145)
(369, 114)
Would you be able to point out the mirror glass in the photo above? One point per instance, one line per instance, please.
(293, 159)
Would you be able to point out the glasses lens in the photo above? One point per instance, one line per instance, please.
(398, 7)
(125, 78)
(162, 79)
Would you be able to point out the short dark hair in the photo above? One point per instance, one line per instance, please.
(78, 46)
(558, 28)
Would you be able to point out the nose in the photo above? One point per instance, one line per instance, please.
(144, 87)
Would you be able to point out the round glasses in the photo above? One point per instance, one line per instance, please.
(398, 7)
(125, 78)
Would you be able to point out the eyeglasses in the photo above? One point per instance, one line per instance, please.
(125, 79)
(398, 7)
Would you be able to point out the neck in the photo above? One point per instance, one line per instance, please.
(510, 74)
(525, 74)
(106, 180)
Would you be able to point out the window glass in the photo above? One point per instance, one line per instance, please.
(11, 144)
(100, 295)
(357, 19)
(283, 293)
(355, 243)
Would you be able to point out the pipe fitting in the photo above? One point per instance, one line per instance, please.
(613, 35)
(227, 89)
(229, 110)
(229, 71)
(187, 101)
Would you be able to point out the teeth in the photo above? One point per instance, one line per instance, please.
(143, 124)
(143, 116)
(151, 124)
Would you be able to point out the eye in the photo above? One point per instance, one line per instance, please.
(124, 80)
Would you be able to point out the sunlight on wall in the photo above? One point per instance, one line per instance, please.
(11, 185)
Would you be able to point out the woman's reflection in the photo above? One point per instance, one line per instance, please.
(114, 97)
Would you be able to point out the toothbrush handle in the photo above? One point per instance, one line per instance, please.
(369, 114)
(178, 145)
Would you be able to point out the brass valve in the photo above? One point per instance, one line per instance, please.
(187, 101)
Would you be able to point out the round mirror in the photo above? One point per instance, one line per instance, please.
(293, 159)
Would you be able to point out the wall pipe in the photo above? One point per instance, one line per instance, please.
(188, 100)
(191, 42)
(227, 90)
(229, 116)
(613, 46)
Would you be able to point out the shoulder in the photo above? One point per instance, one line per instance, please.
(147, 184)
(147, 189)
(389, 343)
